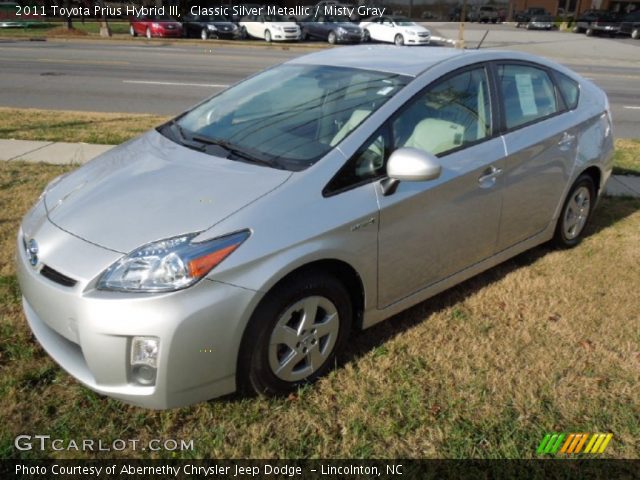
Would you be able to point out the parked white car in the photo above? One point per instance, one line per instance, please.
(398, 30)
(269, 28)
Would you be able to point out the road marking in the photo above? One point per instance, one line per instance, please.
(145, 82)
(631, 107)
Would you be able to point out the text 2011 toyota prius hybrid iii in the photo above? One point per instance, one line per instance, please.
(236, 246)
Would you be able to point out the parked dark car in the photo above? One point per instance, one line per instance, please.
(333, 29)
(483, 14)
(630, 25)
(209, 26)
(593, 22)
(524, 17)
(155, 26)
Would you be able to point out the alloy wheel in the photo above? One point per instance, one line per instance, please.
(576, 213)
(303, 338)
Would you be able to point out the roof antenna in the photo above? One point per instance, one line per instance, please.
(483, 37)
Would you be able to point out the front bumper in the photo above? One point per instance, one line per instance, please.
(89, 332)
(349, 37)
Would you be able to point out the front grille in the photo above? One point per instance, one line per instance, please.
(290, 30)
(57, 277)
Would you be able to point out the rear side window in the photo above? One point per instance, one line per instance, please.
(568, 89)
(528, 94)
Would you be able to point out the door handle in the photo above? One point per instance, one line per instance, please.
(489, 174)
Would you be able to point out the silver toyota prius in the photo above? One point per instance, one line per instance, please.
(238, 245)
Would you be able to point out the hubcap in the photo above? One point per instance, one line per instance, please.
(575, 216)
(303, 338)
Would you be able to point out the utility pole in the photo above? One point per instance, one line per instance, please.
(463, 15)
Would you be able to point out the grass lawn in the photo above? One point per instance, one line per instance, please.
(115, 128)
(67, 126)
(546, 342)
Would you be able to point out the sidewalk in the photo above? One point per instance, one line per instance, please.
(61, 153)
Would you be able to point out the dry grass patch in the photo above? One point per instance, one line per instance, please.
(70, 126)
(548, 341)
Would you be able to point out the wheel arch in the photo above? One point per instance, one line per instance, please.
(341, 270)
(596, 175)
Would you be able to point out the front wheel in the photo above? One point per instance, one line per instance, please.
(132, 31)
(204, 34)
(399, 40)
(635, 34)
(576, 211)
(332, 38)
(267, 36)
(294, 334)
(589, 32)
(366, 36)
(148, 33)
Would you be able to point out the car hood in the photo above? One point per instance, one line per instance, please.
(152, 188)
(350, 27)
(414, 28)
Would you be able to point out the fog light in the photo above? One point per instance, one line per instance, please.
(144, 359)
(144, 374)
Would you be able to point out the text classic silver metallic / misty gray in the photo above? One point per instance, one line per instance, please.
(236, 246)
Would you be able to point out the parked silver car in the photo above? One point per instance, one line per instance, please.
(237, 246)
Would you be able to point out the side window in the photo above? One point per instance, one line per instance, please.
(448, 115)
(568, 89)
(367, 163)
(527, 94)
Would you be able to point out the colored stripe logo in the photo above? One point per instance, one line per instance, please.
(573, 443)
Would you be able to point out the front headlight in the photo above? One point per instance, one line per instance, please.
(410, 32)
(341, 30)
(277, 27)
(155, 25)
(212, 28)
(170, 264)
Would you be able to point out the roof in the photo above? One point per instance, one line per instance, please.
(387, 58)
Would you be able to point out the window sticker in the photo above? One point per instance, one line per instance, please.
(524, 85)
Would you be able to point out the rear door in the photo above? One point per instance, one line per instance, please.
(541, 148)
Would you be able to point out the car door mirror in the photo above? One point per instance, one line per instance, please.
(410, 165)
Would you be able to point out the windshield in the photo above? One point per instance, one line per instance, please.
(403, 22)
(287, 117)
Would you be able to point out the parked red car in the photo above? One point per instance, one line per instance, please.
(155, 26)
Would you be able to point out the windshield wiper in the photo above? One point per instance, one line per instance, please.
(235, 151)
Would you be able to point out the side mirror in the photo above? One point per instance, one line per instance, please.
(410, 165)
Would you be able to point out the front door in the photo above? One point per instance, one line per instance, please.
(431, 230)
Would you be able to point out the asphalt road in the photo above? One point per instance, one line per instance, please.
(154, 77)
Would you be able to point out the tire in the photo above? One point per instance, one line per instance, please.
(132, 31)
(148, 33)
(332, 38)
(635, 34)
(267, 36)
(366, 36)
(204, 34)
(304, 36)
(589, 32)
(575, 213)
(494, 20)
(399, 40)
(243, 33)
(278, 349)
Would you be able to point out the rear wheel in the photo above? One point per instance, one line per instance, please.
(635, 34)
(294, 334)
(576, 211)
(399, 40)
(243, 33)
(132, 31)
(366, 36)
(332, 38)
(204, 34)
(589, 32)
